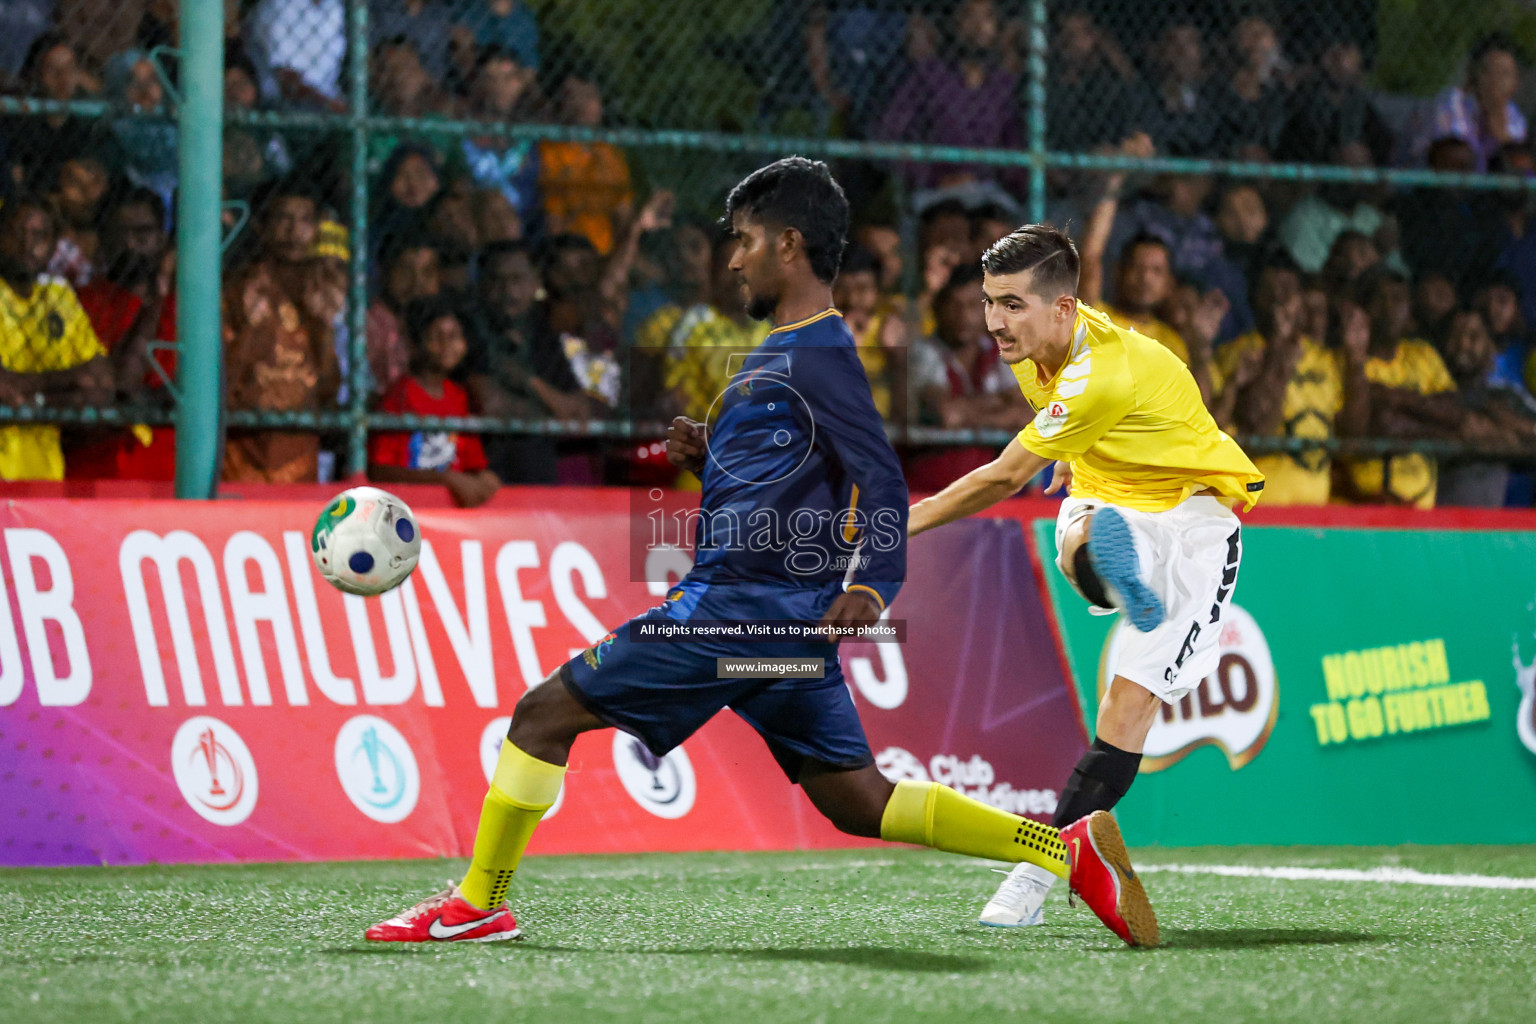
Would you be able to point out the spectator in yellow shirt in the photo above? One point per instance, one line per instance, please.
(699, 362)
(1279, 381)
(878, 328)
(49, 354)
(1411, 396)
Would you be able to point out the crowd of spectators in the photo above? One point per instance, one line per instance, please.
(544, 280)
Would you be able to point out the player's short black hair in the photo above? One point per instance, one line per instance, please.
(802, 194)
(1042, 248)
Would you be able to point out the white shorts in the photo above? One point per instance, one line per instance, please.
(1189, 556)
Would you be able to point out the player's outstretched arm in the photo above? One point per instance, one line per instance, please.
(981, 488)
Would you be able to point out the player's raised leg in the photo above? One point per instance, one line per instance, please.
(524, 786)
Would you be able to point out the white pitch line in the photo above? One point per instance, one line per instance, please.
(1399, 876)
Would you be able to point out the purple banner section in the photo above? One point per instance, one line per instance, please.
(976, 696)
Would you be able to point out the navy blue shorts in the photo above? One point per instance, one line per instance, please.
(663, 691)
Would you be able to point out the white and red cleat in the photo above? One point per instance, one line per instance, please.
(446, 917)
(1102, 875)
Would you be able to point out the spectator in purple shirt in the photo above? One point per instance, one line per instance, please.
(1483, 114)
(963, 98)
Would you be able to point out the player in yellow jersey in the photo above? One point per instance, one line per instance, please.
(1147, 527)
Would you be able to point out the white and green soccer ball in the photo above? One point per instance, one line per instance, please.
(365, 542)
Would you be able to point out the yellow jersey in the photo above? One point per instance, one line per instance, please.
(1403, 479)
(1152, 327)
(1127, 416)
(46, 331)
(1313, 397)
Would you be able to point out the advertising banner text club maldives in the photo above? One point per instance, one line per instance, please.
(177, 684)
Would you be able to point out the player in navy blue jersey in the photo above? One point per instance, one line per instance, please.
(803, 520)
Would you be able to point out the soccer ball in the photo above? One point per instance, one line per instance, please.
(365, 542)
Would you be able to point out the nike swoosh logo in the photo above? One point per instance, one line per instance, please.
(1125, 869)
(438, 930)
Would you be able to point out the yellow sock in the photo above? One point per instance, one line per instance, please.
(928, 814)
(522, 789)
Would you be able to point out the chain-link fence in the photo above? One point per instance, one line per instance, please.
(500, 215)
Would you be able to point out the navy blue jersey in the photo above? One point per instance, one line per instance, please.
(801, 486)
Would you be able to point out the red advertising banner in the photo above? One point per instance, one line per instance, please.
(178, 684)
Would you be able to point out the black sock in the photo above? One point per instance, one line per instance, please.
(1098, 782)
(1088, 582)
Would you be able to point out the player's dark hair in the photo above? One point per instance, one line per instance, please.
(1043, 249)
(801, 194)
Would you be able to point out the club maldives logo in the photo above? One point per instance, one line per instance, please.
(973, 776)
(377, 769)
(491, 739)
(1234, 708)
(214, 770)
(665, 786)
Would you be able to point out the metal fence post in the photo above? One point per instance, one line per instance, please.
(200, 359)
(1037, 141)
(357, 306)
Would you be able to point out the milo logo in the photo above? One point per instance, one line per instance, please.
(1233, 708)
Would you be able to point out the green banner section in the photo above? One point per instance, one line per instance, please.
(1375, 687)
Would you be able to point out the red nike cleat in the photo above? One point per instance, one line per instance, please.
(1102, 875)
(446, 917)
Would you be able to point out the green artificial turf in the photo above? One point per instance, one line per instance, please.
(869, 935)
